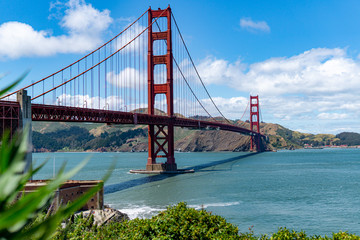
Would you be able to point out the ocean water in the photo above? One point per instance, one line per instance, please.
(312, 190)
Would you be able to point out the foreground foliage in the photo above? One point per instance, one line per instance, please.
(286, 234)
(23, 218)
(177, 222)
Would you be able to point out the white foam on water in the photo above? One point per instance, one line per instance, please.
(141, 211)
(206, 205)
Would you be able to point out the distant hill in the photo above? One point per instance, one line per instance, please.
(102, 137)
(281, 137)
(88, 137)
(348, 138)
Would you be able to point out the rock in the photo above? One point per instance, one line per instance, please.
(105, 216)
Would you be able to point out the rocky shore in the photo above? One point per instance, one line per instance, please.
(104, 216)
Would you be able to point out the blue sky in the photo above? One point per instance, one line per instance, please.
(301, 57)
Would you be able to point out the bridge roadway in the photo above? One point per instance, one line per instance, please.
(42, 112)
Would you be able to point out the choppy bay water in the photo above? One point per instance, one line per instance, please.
(312, 190)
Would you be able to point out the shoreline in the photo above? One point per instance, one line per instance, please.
(274, 150)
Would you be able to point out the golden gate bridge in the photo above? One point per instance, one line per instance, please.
(143, 75)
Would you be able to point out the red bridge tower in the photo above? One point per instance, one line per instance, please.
(161, 137)
(255, 123)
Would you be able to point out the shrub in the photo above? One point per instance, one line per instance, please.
(177, 222)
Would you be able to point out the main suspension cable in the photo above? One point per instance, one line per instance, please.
(77, 60)
(245, 110)
(100, 62)
(187, 83)
(197, 70)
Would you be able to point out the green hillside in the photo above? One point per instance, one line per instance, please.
(281, 137)
(48, 136)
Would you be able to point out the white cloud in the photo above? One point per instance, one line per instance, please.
(232, 108)
(254, 26)
(139, 44)
(114, 103)
(315, 72)
(84, 26)
(128, 78)
(82, 18)
(332, 116)
(219, 71)
(320, 85)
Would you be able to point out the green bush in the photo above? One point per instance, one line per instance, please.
(177, 222)
(287, 234)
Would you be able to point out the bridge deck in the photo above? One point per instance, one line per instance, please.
(53, 113)
(72, 114)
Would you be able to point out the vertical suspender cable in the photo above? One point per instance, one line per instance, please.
(105, 79)
(99, 82)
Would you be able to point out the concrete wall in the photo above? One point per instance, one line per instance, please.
(70, 191)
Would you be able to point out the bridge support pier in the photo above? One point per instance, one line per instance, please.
(161, 139)
(25, 122)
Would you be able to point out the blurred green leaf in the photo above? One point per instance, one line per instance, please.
(11, 86)
(19, 219)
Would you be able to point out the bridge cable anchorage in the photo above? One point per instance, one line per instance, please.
(187, 83)
(197, 71)
(51, 75)
(101, 60)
